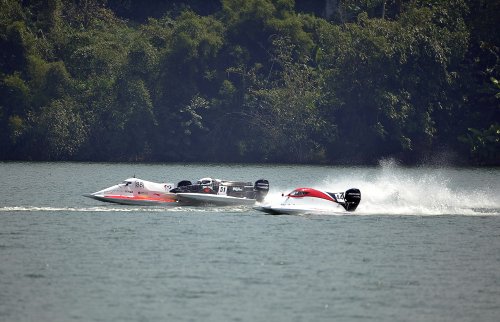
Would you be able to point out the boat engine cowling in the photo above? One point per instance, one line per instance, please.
(261, 188)
(183, 186)
(352, 199)
(184, 183)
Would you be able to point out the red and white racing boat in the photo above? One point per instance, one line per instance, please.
(135, 191)
(313, 201)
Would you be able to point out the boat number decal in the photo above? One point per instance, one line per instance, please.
(339, 196)
(168, 187)
(222, 190)
(139, 184)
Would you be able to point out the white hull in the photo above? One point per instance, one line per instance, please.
(134, 191)
(290, 210)
(123, 200)
(306, 201)
(212, 199)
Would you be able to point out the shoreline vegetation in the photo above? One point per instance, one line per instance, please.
(251, 81)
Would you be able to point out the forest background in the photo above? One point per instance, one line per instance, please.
(323, 82)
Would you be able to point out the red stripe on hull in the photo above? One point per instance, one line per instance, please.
(140, 198)
(309, 192)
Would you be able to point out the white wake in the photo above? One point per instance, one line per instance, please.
(394, 190)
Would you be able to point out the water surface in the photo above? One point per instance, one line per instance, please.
(424, 245)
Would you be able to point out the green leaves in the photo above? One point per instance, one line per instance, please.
(484, 144)
(255, 80)
(286, 107)
(59, 130)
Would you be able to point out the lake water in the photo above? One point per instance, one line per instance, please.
(424, 245)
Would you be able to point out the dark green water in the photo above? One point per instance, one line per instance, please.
(424, 246)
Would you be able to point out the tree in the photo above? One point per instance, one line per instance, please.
(388, 79)
(187, 76)
(57, 131)
(249, 80)
(283, 111)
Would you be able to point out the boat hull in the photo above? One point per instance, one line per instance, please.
(302, 201)
(287, 210)
(135, 191)
(212, 199)
(126, 200)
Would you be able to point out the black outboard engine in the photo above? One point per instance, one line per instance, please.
(182, 186)
(261, 188)
(352, 199)
(184, 183)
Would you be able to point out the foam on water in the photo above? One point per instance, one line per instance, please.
(76, 209)
(392, 190)
(386, 190)
(123, 208)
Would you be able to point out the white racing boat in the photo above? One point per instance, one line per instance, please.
(313, 201)
(208, 191)
(135, 191)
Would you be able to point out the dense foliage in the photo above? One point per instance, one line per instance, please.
(250, 81)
